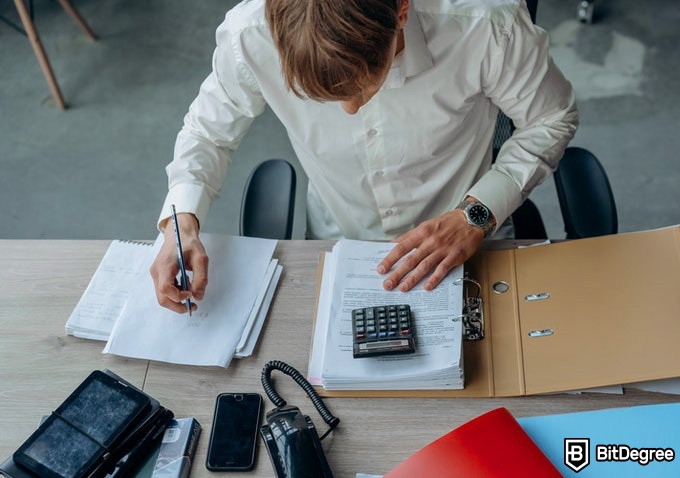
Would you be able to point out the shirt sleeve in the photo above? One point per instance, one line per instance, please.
(529, 88)
(227, 103)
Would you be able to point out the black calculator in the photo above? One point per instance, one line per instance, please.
(383, 330)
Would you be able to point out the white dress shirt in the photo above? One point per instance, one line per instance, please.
(420, 145)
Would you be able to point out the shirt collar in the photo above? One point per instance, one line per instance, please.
(414, 58)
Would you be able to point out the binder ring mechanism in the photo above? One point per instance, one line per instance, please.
(473, 309)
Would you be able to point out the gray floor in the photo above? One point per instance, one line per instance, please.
(96, 170)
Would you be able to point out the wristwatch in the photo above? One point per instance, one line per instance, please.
(478, 215)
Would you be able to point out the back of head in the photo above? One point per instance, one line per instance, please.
(330, 49)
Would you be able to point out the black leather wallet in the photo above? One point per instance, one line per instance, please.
(106, 427)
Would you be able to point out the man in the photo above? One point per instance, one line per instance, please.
(390, 106)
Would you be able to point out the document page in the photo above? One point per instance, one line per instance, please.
(237, 272)
(258, 314)
(354, 283)
(97, 310)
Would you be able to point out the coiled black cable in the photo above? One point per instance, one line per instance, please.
(277, 400)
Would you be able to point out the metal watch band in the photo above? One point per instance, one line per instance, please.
(487, 226)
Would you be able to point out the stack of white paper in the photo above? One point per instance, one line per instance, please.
(350, 281)
(105, 296)
(120, 304)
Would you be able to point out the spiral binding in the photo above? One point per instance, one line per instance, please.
(136, 243)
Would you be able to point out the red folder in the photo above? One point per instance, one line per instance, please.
(491, 445)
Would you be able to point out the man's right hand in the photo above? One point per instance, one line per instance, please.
(165, 267)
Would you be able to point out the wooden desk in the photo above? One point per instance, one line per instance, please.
(39, 365)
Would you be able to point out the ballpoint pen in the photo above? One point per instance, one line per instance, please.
(180, 258)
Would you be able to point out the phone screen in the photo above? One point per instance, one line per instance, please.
(234, 432)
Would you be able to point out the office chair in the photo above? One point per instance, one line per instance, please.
(585, 197)
(268, 202)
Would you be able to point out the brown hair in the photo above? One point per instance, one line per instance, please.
(330, 49)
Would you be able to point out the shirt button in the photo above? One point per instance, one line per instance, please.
(379, 173)
(372, 132)
(389, 212)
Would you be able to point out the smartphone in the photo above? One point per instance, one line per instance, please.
(235, 427)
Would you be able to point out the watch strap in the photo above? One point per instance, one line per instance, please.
(488, 226)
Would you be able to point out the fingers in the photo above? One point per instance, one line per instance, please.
(165, 269)
(399, 251)
(197, 262)
(168, 294)
(412, 270)
(438, 275)
(435, 247)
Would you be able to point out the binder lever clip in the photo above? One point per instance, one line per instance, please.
(473, 310)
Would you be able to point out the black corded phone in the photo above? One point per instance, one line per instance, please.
(292, 442)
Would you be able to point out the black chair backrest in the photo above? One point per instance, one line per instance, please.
(532, 5)
(268, 204)
(585, 195)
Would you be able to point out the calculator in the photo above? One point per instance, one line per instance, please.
(383, 330)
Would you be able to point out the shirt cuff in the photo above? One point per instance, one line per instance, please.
(499, 193)
(186, 197)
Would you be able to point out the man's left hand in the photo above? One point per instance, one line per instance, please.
(438, 244)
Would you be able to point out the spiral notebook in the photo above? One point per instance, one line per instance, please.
(105, 296)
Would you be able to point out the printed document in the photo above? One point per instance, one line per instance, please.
(350, 281)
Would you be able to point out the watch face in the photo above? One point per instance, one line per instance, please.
(478, 214)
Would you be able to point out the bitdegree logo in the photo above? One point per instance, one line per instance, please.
(642, 456)
(577, 453)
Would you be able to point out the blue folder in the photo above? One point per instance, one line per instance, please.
(637, 428)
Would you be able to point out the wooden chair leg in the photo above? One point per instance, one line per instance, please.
(39, 52)
(73, 13)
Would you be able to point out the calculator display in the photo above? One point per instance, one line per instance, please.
(382, 330)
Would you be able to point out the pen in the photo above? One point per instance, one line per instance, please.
(180, 258)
